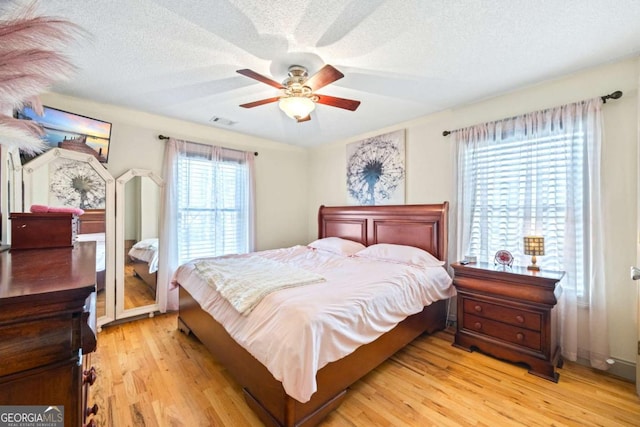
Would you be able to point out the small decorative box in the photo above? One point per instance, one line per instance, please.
(43, 230)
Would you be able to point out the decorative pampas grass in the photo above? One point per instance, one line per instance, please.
(30, 62)
(22, 134)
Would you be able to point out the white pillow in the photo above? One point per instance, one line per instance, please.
(337, 245)
(147, 244)
(400, 254)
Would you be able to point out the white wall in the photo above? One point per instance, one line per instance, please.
(281, 170)
(430, 160)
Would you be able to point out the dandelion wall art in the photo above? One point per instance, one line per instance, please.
(76, 184)
(375, 170)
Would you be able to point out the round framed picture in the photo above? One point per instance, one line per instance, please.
(503, 258)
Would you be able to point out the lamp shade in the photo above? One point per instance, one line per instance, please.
(534, 245)
(297, 107)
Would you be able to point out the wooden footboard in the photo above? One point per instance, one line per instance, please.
(266, 396)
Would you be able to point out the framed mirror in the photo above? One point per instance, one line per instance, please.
(61, 177)
(138, 194)
(11, 193)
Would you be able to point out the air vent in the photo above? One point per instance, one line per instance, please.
(222, 121)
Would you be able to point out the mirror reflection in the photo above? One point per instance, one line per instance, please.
(59, 178)
(12, 197)
(91, 227)
(141, 228)
(139, 194)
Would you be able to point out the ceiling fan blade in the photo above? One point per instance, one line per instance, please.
(347, 104)
(259, 77)
(304, 119)
(326, 75)
(261, 102)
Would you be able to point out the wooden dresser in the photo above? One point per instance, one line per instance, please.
(47, 329)
(510, 314)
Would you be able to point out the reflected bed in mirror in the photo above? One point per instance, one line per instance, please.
(144, 259)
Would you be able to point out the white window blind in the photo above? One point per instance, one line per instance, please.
(212, 207)
(528, 186)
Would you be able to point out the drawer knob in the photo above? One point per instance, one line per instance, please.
(520, 336)
(478, 308)
(478, 325)
(520, 319)
(92, 410)
(89, 376)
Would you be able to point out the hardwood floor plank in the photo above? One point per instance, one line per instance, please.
(150, 374)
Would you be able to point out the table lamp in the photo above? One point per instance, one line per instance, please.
(534, 246)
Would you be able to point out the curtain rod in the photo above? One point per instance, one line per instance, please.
(255, 153)
(614, 95)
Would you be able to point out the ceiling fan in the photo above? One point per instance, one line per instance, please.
(299, 98)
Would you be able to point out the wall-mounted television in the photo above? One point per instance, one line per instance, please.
(71, 131)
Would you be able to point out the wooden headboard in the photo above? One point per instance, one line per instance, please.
(92, 221)
(422, 226)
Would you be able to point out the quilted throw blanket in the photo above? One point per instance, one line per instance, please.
(244, 281)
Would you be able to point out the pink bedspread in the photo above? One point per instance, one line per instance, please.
(310, 326)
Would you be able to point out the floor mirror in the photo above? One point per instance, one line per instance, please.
(138, 193)
(11, 191)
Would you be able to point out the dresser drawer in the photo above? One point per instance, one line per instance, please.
(501, 313)
(520, 336)
(27, 345)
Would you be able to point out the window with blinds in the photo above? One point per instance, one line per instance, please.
(212, 207)
(528, 187)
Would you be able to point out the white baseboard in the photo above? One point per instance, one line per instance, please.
(621, 368)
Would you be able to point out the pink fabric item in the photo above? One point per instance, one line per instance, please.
(53, 209)
(39, 208)
(76, 211)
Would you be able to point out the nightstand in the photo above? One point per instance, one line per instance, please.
(509, 313)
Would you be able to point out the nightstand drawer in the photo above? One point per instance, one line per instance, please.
(512, 316)
(512, 334)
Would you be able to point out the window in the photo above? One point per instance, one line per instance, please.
(525, 176)
(540, 173)
(213, 206)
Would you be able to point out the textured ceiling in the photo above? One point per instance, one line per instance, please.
(403, 59)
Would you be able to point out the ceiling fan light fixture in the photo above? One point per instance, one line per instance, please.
(297, 99)
(297, 107)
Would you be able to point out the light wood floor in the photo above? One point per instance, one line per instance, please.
(150, 374)
(137, 292)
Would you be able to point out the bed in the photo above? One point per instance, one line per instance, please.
(144, 258)
(421, 226)
(91, 227)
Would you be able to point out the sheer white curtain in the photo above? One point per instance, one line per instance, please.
(539, 174)
(208, 207)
